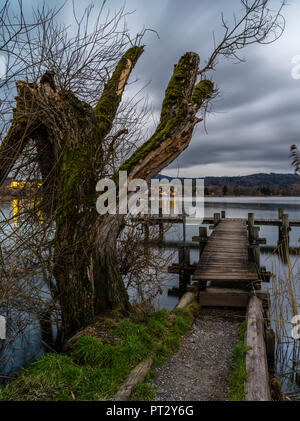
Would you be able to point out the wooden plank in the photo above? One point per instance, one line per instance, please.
(223, 297)
(225, 256)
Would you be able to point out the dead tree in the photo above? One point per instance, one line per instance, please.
(68, 134)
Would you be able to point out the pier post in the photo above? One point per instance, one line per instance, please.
(181, 263)
(284, 230)
(280, 217)
(285, 227)
(223, 214)
(253, 248)
(172, 200)
(160, 224)
(250, 219)
(217, 218)
(250, 226)
(187, 262)
(256, 252)
(202, 239)
(184, 263)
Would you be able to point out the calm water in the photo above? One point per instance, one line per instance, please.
(28, 350)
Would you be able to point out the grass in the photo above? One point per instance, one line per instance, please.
(94, 370)
(238, 375)
(143, 392)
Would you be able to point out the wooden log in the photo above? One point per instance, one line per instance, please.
(186, 299)
(137, 375)
(257, 383)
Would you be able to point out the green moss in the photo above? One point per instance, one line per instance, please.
(202, 91)
(238, 375)
(108, 104)
(174, 109)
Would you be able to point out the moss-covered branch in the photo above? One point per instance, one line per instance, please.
(177, 120)
(108, 104)
(17, 135)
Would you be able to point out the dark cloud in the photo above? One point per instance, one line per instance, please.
(256, 117)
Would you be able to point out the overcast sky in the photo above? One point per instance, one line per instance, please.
(257, 116)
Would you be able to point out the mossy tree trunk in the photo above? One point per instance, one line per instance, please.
(69, 135)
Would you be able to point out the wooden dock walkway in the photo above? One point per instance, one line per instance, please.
(225, 256)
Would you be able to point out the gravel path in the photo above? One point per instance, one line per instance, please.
(200, 368)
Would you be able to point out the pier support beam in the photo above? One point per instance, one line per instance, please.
(217, 218)
(202, 239)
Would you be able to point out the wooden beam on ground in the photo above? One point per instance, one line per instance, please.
(186, 299)
(136, 376)
(257, 383)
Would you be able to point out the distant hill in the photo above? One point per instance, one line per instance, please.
(254, 184)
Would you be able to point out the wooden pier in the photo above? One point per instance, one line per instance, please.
(225, 256)
(228, 270)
